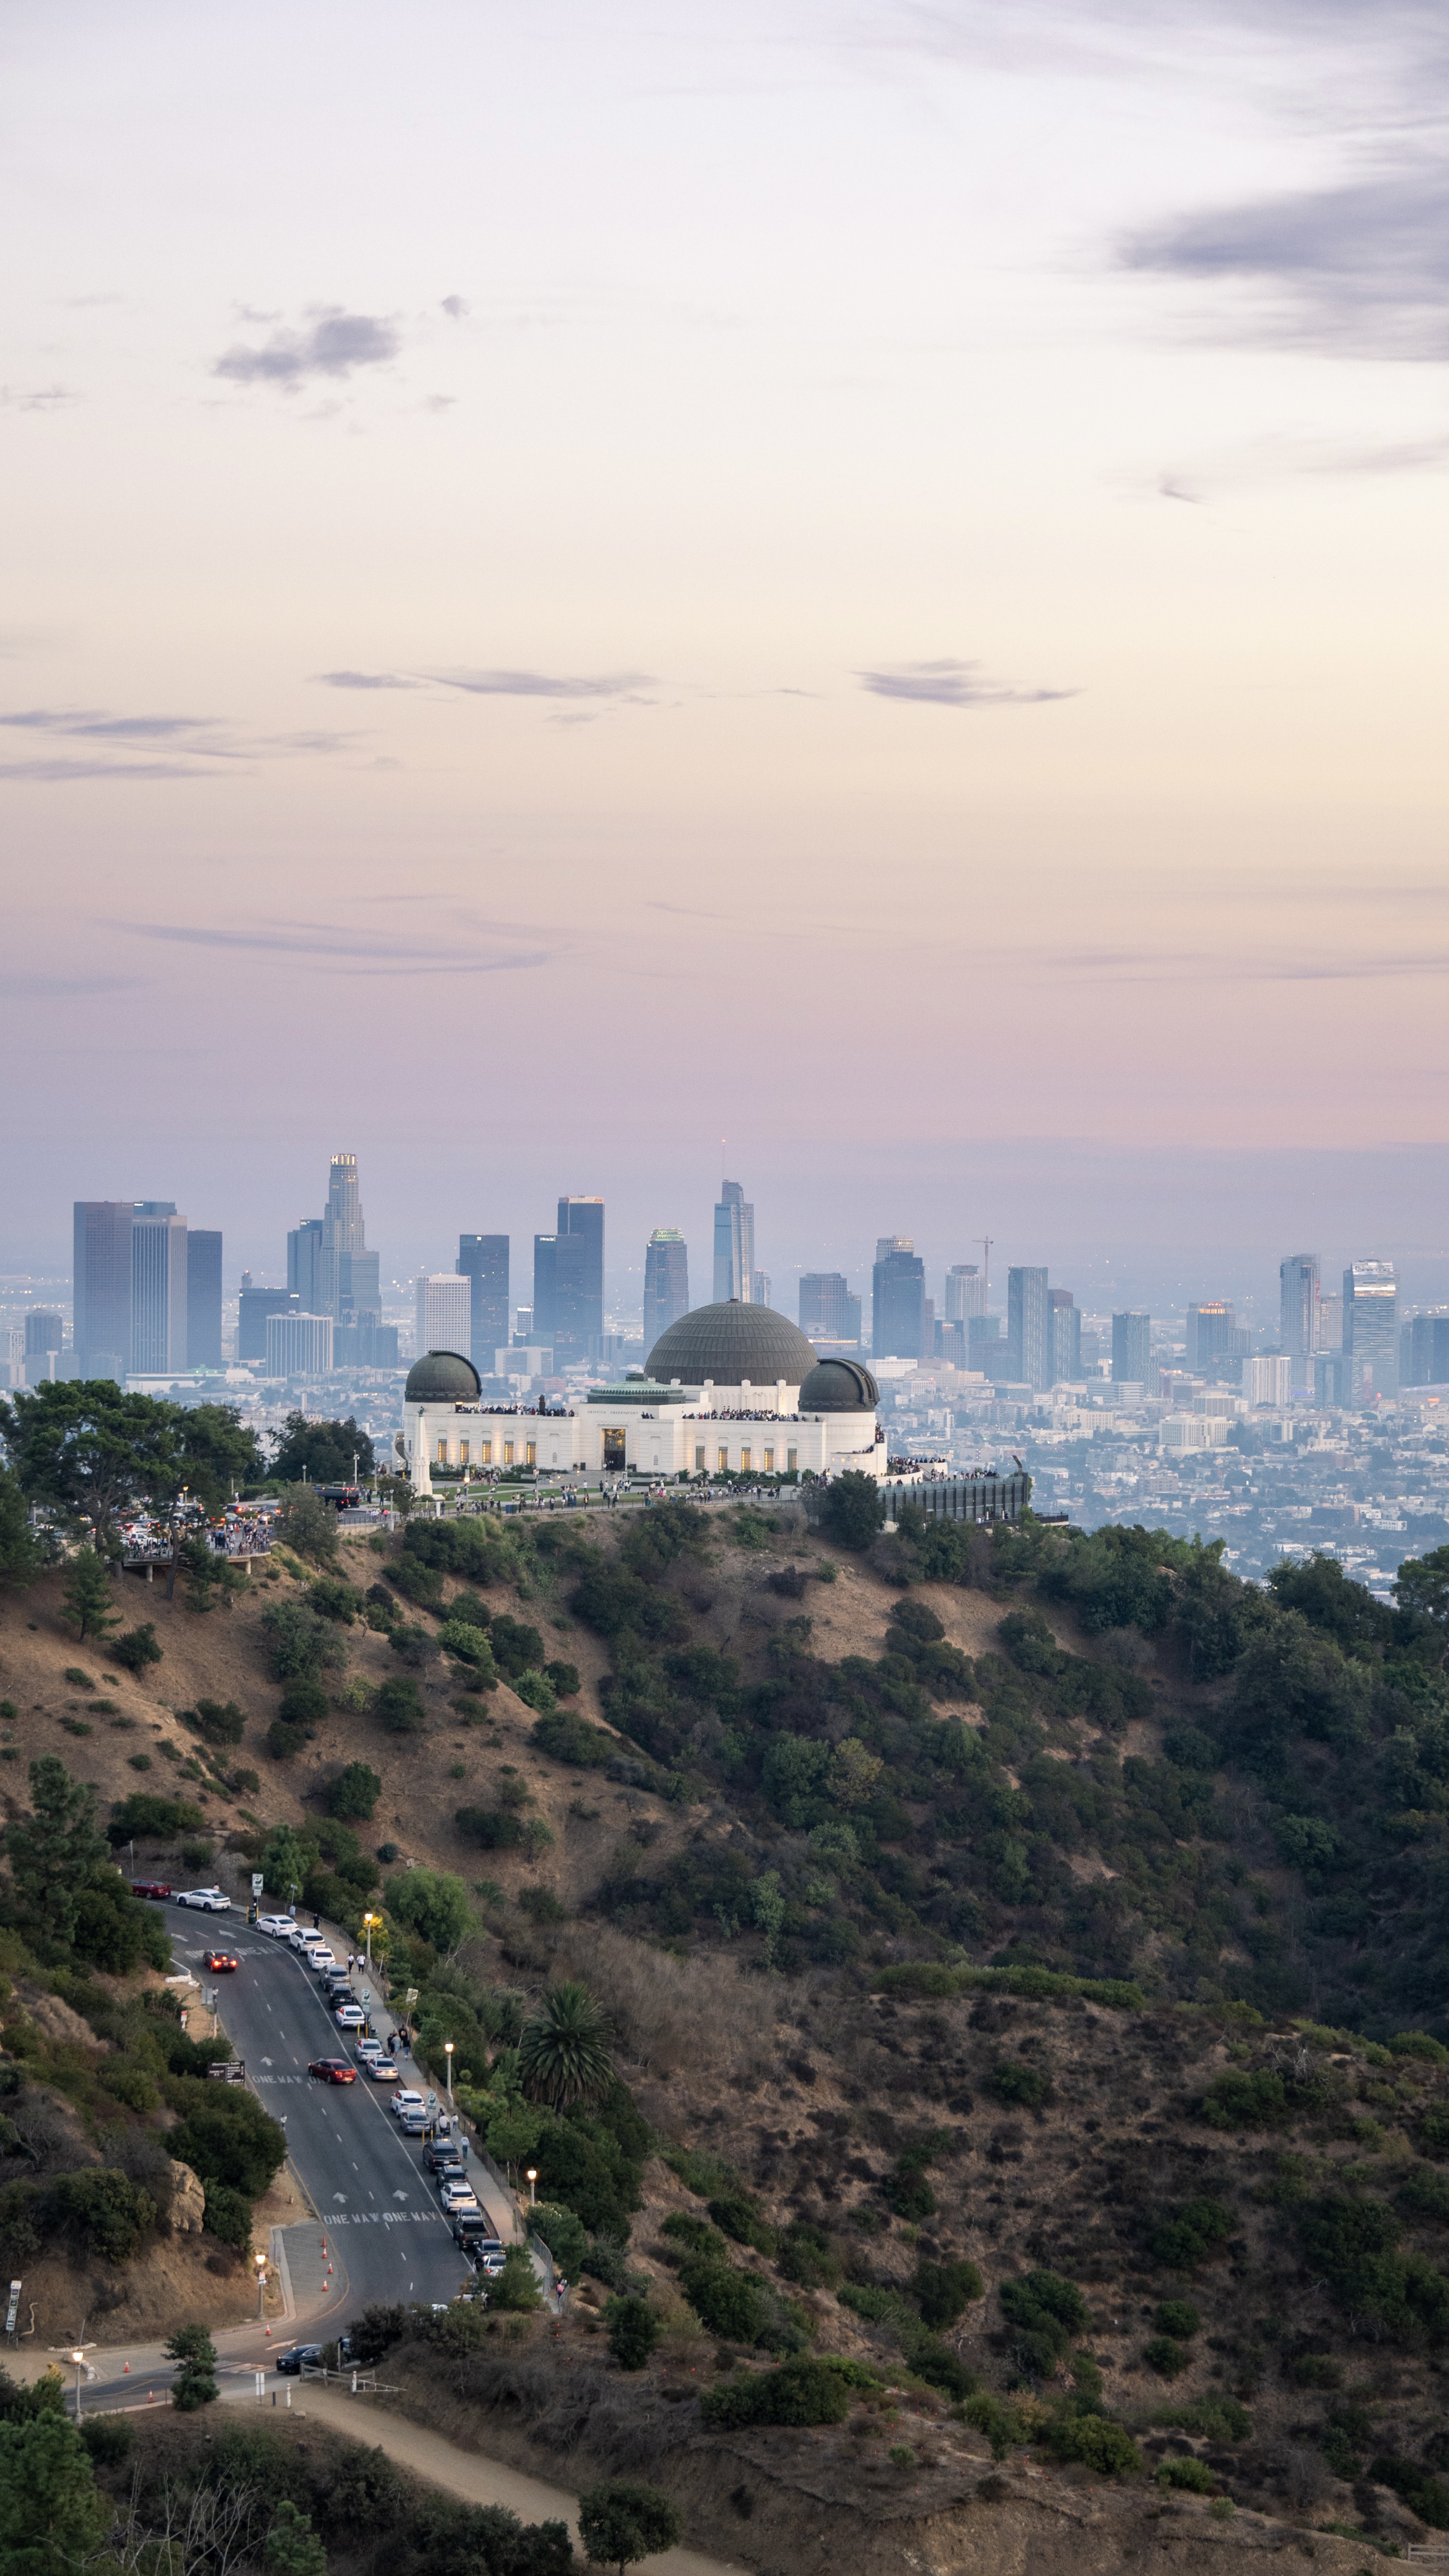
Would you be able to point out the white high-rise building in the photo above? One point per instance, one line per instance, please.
(1270, 1380)
(444, 1313)
(299, 1345)
(965, 1292)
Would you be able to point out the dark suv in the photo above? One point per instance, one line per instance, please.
(442, 2155)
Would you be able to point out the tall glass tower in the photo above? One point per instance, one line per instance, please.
(666, 1282)
(1371, 1329)
(347, 1273)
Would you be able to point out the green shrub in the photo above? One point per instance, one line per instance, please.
(565, 1678)
(567, 1737)
(516, 2288)
(304, 1703)
(1013, 2082)
(802, 2391)
(807, 2257)
(879, 2306)
(1221, 2419)
(731, 2303)
(1317, 2370)
(1238, 2100)
(220, 1721)
(355, 1792)
(225, 2136)
(1177, 2317)
(135, 1648)
(1424, 2495)
(683, 2228)
(1046, 2312)
(228, 2216)
(400, 1707)
(1186, 2239)
(563, 2233)
(1426, 2196)
(112, 2214)
(1417, 2043)
(634, 2330)
(739, 2219)
(108, 2438)
(1098, 2443)
(1167, 2358)
(1193, 2475)
(283, 1742)
(147, 1816)
(944, 2290)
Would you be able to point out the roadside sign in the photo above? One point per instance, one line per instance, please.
(13, 2311)
(258, 1881)
(410, 1998)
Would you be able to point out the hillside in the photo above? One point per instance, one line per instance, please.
(1010, 1949)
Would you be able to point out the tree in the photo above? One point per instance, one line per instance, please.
(51, 2517)
(94, 1453)
(309, 1525)
(431, 1903)
(87, 1596)
(285, 1863)
(400, 1706)
(225, 2135)
(634, 2330)
(623, 2521)
(852, 1509)
(320, 1453)
(21, 1556)
(54, 1850)
(195, 2381)
(1422, 1587)
(563, 2054)
(300, 1644)
(562, 2231)
(355, 1792)
(292, 2545)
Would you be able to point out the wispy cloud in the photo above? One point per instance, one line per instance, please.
(1358, 270)
(366, 680)
(953, 684)
(543, 684)
(36, 397)
(56, 988)
(473, 950)
(456, 308)
(197, 742)
(330, 343)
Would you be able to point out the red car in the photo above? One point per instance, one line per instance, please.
(155, 1887)
(218, 1963)
(333, 2070)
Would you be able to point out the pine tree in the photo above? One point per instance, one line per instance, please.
(55, 1850)
(87, 1596)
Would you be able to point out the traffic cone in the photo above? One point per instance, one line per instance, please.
(127, 2371)
(150, 2396)
(269, 2329)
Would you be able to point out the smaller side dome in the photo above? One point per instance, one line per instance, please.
(839, 1386)
(442, 1377)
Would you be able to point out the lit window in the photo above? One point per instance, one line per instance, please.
(724, 1460)
(462, 1453)
(507, 1453)
(530, 1454)
(485, 1453)
(792, 1461)
(746, 1461)
(769, 1462)
(699, 1458)
(442, 1453)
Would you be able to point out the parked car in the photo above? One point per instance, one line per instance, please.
(157, 1888)
(302, 2356)
(349, 2016)
(442, 2154)
(406, 2100)
(457, 2193)
(333, 2070)
(382, 2070)
(319, 1956)
(206, 1900)
(370, 2048)
(337, 1990)
(413, 2124)
(220, 1963)
(279, 1927)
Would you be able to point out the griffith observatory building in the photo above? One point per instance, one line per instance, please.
(730, 1387)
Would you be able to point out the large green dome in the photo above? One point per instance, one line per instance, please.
(729, 1344)
(442, 1377)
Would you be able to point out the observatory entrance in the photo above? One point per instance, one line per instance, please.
(614, 1453)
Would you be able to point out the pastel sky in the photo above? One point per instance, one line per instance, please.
(866, 580)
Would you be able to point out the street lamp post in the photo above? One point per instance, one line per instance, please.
(532, 2179)
(448, 2053)
(368, 1921)
(78, 2357)
(261, 2263)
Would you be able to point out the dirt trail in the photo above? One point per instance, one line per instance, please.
(475, 2479)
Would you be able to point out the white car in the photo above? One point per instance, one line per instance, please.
(370, 2050)
(459, 2199)
(381, 2069)
(207, 1900)
(349, 2016)
(406, 2100)
(278, 1926)
(319, 1956)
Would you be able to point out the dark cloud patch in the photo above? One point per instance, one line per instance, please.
(331, 343)
(365, 680)
(455, 307)
(1360, 270)
(542, 684)
(953, 684)
(356, 952)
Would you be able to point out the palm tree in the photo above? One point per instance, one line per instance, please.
(563, 2054)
